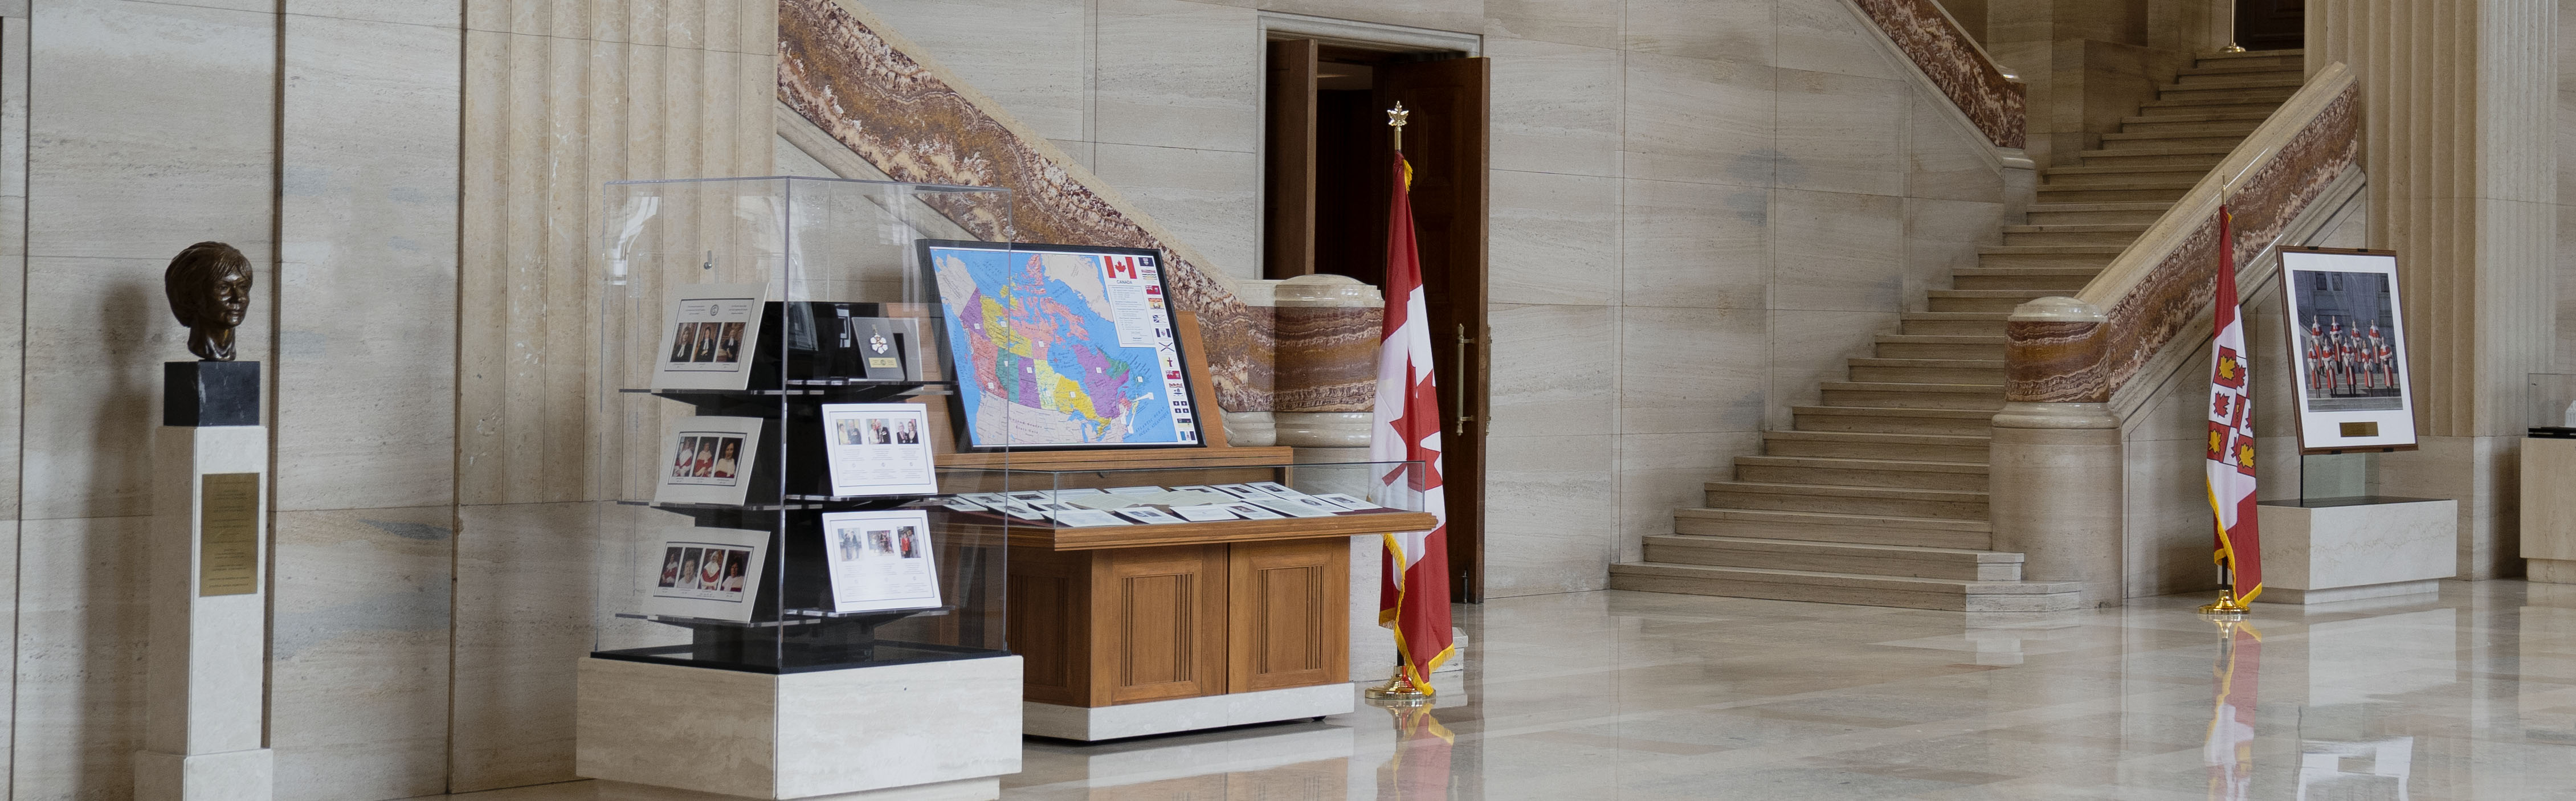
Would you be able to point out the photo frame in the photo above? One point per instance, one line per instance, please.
(710, 336)
(711, 573)
(880, 561)
(878, 449)
(708, 460)
(2347, 344)
(1112, 373)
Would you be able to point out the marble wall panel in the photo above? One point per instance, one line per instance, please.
(2166, 524)
(1591, 23)
(367, 213)
(1731, 30)
(1832, 36)
(359, 652)
(1942, 236)
(1550, 513)
(1942, 160)
(525, 592)
(1555, 107)
(1541, 227)
(1176, 73)
(1691, 119)
(1695, 245)
(1555, 371)
(13, 258)
(1208, 197)
(1439, 15)
(1034, 57)
(1661, 473)
(1685, 370)
(1841, 133)
(78, 697)
(1838, 251)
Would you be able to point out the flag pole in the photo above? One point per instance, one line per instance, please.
(1398, 691)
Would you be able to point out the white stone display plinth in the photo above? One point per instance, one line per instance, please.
(205, 686)
(2344, 549)
(928, 731)
(1186, 714)
(2549, 508)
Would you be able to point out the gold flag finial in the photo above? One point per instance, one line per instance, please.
(1396, 118)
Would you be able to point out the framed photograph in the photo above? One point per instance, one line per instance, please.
(876, 449)
(709, 335)
(1061, 346)
(880, 561)
(2347, 350)
(711, 573)
(709, 460)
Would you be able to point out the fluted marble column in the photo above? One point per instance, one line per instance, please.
(2459, 125)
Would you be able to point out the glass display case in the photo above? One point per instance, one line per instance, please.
(772, 399)
(2552, 402)
(1060, 505)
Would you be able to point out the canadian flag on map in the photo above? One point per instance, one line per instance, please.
(1414, 597)
(1120, 266)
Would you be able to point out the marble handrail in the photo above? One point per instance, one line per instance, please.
(2167, 277)
(1938, 46)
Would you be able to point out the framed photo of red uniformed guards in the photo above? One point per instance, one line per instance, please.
(2347, 350)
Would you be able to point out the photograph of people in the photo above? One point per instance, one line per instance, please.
(906, 543)
(909, 433)
(729, 347)
(736, 563)
(881, 541)
(706, 465)
(849, 431)
(727, 455)
(670, 566)
(688, 569)
(711, 571)
(688, 458)
(849, 542)
(877, 426)
(684, 343)
(707, 333)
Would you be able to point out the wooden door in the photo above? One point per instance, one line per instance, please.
(1445, 142)
(2271, 24)
(1288, 160)
(1289, 604)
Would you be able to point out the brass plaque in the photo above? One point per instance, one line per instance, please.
(2368, 429)
(228, 535)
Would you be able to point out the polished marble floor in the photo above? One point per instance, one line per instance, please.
(1625, 695)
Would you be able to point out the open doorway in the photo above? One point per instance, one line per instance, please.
(1328, 156)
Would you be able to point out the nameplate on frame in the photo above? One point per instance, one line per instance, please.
(228, 535)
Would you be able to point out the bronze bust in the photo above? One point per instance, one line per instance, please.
(209, 286)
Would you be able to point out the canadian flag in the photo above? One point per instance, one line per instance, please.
(1120, 266)
(2231, 434)
(1414, 597)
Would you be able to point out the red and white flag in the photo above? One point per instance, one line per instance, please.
(2231, 434)
(1414, 597)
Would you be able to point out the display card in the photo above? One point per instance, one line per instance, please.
(709, 573)
(1087, 518)
(1147, 515)
(1252, 512)
(961, 504)
(880, 561)
(1297, 509)
(1202, 514)
(878, 449)
(1149, 490)
(709, 334)
(710, 460)
(1243, 491)
(1348, 503)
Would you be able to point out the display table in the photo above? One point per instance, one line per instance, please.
(2549, 508)
(2341, 549)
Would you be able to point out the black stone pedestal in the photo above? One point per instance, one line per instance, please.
(198, 394)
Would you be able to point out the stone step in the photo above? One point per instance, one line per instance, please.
(2246, 56)
(2283, 80)
(1913, 396)
(2074, 234)
(1863, 419)
(2216, 128)
(2163, 139)
(1954, 504)
(1847, 588)
(2121, 193)
(2204, 157)
(1972, 324)
(1841, 557)
(1962, 448)
(2209, 104)
(1889, 473)
(1929, 532)
(1982, 300)
(2052, 280)
(2093, 256)
(1928, 371)
(2235, 71)
(2096, 213)
(2121, 174)
(2247, 118)
(1916, 346)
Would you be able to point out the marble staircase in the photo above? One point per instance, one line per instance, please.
(1877, 494)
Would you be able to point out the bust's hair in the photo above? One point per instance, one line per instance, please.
(191, 279)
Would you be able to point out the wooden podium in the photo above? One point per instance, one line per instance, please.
(1150, 629)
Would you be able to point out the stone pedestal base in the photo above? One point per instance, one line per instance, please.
(2549, 509)
(985, 789)
(934, 730)
(1186, 714)
(229, 776)
(2344, 549)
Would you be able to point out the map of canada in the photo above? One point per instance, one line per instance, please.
(1061, 349)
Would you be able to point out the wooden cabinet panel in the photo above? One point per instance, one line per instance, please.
(1048, 591)
(1287, 614)
(1159, 623)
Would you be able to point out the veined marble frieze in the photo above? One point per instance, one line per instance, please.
(905, 118)
(1328, 358)
(1936, 45)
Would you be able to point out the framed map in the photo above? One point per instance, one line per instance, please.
(1062, 346)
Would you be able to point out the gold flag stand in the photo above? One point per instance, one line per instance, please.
(2227, 607)
(1398, 691)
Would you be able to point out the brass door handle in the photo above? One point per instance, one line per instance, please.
(1461, 384)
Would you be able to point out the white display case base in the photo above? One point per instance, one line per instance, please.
(1186, 714)
(2352, 549)
(985, 789)
(2548, 509)
(928, 730)
(229, 776)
